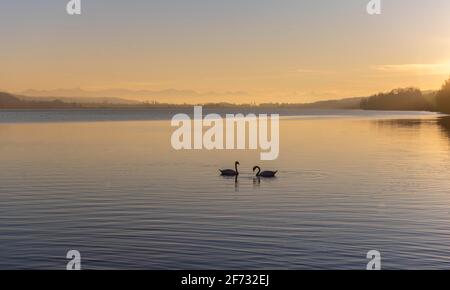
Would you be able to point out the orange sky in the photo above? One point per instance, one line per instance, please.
(266, 50)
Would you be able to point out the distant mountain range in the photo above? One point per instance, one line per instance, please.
(400, 99)
(10, 101)
(39, 99)
(130, 96)
(80, 100)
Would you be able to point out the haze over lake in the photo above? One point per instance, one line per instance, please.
(109, 184)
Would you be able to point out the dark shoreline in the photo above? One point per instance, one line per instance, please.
(153, 114)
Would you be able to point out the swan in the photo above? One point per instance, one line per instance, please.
(230, 172)
(264, 173)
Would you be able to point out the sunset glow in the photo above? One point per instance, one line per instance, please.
(236, 51)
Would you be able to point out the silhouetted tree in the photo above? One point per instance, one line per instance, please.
(409, 99)
(443, 98)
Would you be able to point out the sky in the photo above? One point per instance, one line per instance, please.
(226, 50)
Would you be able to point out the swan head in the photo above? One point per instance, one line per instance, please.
(255, 167)
(237, 163)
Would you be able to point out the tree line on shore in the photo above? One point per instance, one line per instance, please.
(410, 99)
(404, 99)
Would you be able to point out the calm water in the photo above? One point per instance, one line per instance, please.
(115, 190)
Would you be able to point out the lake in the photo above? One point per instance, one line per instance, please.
(108, 184)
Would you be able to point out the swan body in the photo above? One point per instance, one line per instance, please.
(230, 172)
(267, 174)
